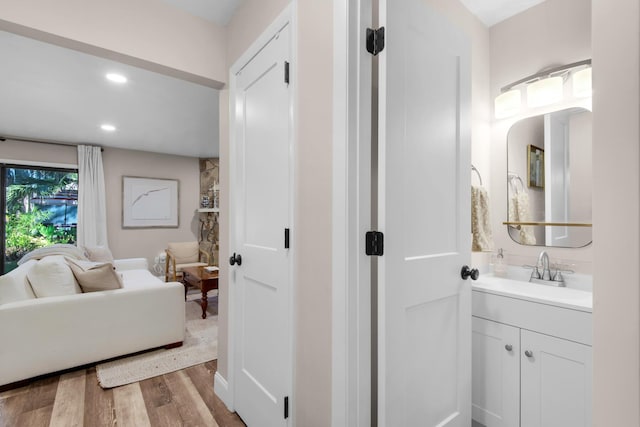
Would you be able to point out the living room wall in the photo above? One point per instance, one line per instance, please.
(125, 243)
(148, 242)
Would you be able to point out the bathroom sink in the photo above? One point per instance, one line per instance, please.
(568, 297)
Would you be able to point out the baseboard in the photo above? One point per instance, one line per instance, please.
(221, 389)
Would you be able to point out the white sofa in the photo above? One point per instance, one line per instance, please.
(44, 335)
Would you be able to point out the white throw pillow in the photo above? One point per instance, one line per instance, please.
(98, 254)
(52, 276)
(14, 286)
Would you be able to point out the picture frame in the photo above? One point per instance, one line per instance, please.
(535, 166)
(149, 202)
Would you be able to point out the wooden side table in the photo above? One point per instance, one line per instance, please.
(201, 279)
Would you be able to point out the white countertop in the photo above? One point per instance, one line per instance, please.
(571, 298)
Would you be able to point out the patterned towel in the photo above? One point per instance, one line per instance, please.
(519, 212)
(480, 220)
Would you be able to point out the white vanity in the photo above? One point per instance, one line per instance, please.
(532, 354)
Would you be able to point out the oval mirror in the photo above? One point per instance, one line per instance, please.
(549, 179)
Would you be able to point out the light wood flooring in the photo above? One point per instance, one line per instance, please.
(74, 398)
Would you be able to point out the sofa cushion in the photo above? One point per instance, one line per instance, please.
(98, 254)
(184, 252)
(14, 286)
(52, 276)
(95, 276)
(136, 279)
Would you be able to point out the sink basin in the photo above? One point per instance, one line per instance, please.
(572, 298)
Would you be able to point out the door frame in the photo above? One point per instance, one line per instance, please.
(225, 388)
(351, 382)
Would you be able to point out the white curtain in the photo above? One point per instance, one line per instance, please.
(92, 206)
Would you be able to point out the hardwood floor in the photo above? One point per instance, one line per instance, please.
(182, 398)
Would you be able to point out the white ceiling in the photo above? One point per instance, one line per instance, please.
(491, 12)
(53, 93)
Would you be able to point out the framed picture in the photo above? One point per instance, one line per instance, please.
(149, 202)
(535, 166)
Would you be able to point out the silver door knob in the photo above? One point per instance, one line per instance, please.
(508, 347)
(528, 353)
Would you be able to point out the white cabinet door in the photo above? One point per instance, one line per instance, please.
(556, 377)
(496, 373)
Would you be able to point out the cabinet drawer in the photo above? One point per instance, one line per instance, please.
(547, 319)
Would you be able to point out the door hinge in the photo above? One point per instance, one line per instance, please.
(374, 243)
(286, 407)
(375, 40)
(286, 72)
(286, 238)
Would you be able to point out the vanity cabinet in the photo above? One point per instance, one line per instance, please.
(522, 377)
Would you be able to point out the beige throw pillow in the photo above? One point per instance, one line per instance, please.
(51, 276)
(15, 286)
(98, 254)
(95, 276)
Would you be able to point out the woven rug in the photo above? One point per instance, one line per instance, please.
(200, 345)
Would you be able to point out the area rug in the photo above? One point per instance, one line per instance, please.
(200, 346)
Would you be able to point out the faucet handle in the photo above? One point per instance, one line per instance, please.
(535, 272)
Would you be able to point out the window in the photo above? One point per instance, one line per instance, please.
(40, 208)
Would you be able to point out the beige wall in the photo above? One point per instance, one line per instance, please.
(148, 242)
(555, 32)
(126, 243)
(30, 152)
(148, 30)
(313, 209)
(249, 21)
(616, 212)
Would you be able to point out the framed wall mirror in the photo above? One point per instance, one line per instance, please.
(549, 179)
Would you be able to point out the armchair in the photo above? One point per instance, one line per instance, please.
(181, 255)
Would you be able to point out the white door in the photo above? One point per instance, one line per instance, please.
(261, 304)
(496, 373)
(424, 310)
(556, 382)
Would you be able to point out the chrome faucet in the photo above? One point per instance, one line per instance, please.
(543, 261)
(542, 272)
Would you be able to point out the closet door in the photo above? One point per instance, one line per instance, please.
(424, 309)
(261, 272)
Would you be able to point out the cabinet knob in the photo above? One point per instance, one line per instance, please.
(528, 353)
(508, 347)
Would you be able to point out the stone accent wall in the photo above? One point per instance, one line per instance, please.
(208, 234)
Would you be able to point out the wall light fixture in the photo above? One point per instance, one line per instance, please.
(544, 88)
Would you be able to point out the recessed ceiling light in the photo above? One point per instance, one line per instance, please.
(107, 127)
(117, 78)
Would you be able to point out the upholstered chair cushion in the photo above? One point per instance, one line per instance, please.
(14, 286)
(185, 252)
(51, 276)
(181, 255)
